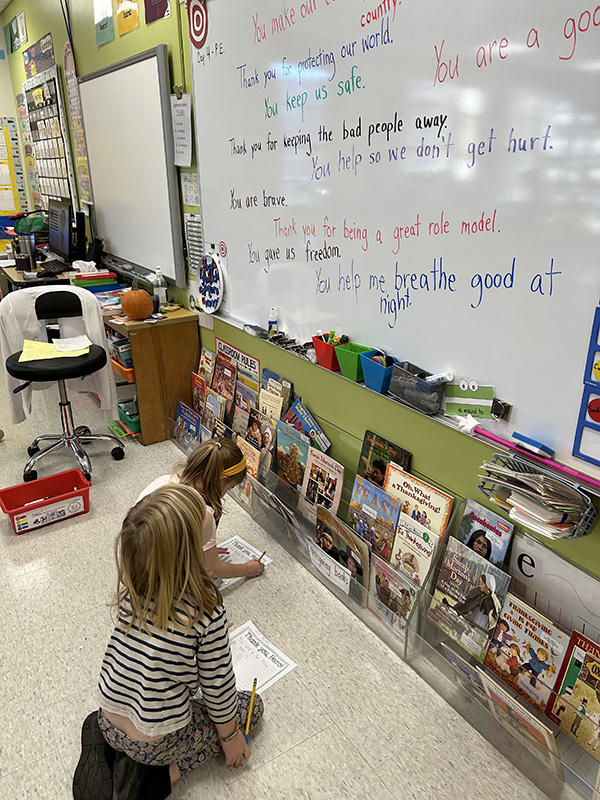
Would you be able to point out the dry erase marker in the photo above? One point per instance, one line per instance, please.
(440, 377)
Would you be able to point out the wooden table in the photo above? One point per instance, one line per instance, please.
(11, 278)
(164, 353)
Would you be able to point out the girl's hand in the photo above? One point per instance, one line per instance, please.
(222, 551)
(236, 751)
(253, 568)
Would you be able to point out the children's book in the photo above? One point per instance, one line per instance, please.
(468, 675)
(468, 597)
(240, 420)
(252, 456)
(376, 454)
(270, 404)
(275, 383)
(526, 651)
(292, 454)
(248, 374)
(527, 729)
(300, 418)
(206, 367)
(419, 500)
(414, 549)
(373, 514)
(392, 596)
(350, 550)
(224, 377)
(186, 431)
(198, 392)
(222, 431)
(485, 532)
(214, 407)
(323, 480)
(575, 704)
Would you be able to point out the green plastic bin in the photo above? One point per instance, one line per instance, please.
(348, 356)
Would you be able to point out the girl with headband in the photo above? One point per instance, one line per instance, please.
(215, 467)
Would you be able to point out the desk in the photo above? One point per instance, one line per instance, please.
(164, 353)
(11, 278)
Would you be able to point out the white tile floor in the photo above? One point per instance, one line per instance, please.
(352, 721)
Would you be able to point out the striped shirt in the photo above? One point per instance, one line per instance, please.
(151, 679)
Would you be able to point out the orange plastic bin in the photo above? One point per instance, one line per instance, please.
(46, 500)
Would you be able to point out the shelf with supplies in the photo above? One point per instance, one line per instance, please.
(163, 354)
(536, 498)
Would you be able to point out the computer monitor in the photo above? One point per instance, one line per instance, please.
(60, 226)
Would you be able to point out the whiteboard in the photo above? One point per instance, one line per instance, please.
(424, 177)
(127, 120)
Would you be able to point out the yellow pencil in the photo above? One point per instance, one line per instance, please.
(251, 704)
(260, 558)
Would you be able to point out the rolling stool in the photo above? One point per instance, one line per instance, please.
(51, 306)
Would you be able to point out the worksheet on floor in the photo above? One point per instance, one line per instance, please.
(255, 657)
(239, 552)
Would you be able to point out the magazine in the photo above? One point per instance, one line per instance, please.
(485, 532)
(206, 367)
(527, 729)
(526, 651)
(300, 418)
(376, 454)
(373, 514)
(198, 392)
(414, 549)
(186, 431)
(224, 378)
(252, 456)
(292, 454)
(468, 598)
(323, 480)
(420, 500)
(392, 596)
(350, 550)
(575, 704)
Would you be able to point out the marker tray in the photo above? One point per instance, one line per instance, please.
(376, 376)
(46, 500)
(326, 356)
(408, 386)
(348, 356)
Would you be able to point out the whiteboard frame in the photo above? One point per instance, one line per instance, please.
(160, 53)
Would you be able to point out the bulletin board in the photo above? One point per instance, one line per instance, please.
(422, 177)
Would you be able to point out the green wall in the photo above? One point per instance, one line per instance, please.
(344, 409)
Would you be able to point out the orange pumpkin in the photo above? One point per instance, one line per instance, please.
(137, 304)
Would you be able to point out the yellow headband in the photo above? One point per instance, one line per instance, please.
(239, 467)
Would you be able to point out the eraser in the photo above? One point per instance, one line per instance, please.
(532, 445)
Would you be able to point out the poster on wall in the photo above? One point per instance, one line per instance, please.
(157, 9)
(39, 57)
(82, 166)
(128, 18)
(15, 32)
(34, 186)
(103, 21)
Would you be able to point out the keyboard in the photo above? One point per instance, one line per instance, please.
(51, 268)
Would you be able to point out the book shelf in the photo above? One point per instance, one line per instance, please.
(273, 506)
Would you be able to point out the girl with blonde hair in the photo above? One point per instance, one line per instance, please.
(169, 641)
(215, 467)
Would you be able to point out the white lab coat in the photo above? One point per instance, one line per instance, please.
(18, 322)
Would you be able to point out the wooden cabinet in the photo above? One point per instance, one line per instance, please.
(164, 353)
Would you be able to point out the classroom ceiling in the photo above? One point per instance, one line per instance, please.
(3, 4)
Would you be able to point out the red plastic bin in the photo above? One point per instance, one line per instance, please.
(326, 356)
(46, 500)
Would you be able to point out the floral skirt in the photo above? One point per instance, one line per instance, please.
(187, 747)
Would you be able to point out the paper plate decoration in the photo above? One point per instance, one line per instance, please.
(209, 282)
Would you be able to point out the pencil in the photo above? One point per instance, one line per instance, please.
(250, 706)
(260, 558)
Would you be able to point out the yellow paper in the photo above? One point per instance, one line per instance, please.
(35, 351)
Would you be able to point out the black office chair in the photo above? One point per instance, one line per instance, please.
(52, 306)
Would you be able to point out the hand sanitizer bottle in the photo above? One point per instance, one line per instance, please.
(160, 287)
(272, 323)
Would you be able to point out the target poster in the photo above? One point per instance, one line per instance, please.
(198, 22)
